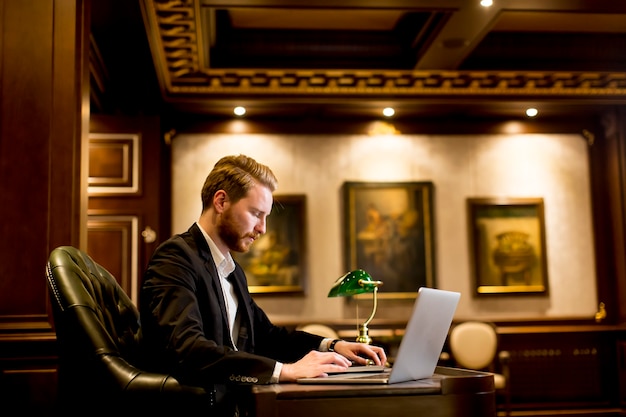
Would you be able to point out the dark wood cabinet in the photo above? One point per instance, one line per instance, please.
(563, 366)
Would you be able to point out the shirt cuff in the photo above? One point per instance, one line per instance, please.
(276, 374)
(323, 347)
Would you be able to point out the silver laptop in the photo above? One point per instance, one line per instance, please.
(420, 348)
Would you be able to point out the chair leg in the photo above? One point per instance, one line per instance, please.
(507, 400)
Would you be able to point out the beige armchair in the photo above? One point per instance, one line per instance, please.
(474, 345)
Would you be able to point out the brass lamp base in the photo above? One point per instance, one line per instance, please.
(364, 337)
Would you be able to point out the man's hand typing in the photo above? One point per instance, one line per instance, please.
(314, 364)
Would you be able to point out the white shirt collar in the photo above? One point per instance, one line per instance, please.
(225, 264)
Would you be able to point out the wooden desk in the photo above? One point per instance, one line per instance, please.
(451, 392)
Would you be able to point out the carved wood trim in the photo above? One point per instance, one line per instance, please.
(176, 32)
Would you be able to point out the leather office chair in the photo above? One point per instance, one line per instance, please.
(474, 345)
(98, 335)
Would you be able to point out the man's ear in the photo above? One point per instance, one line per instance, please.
(219, 200)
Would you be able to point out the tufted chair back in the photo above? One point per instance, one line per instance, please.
(98, 334)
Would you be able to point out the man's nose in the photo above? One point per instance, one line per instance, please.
(260, 226)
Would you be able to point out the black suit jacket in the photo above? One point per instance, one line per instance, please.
(184, 323)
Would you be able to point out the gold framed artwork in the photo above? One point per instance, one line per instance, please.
(389, 233)
(507, 245)
(276, 262)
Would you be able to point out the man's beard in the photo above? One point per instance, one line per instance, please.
(228, 232)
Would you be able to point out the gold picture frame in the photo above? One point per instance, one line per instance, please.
(389, 233)
(276, 262)
(507, 245)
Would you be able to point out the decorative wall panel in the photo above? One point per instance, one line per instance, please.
(112, 242)
(114, 161)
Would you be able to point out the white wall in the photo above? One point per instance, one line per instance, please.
(554, 167)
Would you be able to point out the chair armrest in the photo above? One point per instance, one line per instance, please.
(504, 357)
(158, 392)
(445, 359)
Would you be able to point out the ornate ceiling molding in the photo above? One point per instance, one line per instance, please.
(177, 41)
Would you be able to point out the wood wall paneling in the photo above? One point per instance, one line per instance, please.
(114, 164)
(608, 181)
(29, 378)
(114, 242)
(621, 367)
(618, 215)
(25, 135)
(125, 195)
(40, 146)
(43, 199)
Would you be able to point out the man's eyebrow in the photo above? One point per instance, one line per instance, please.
(258, 210)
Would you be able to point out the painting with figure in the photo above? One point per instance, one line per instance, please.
(389, 233)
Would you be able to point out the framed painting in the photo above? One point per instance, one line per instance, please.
(507, 245)
(389, 233)
(276, 262)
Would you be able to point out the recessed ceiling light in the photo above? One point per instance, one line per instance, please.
(486, 3)
(239, 111)
(531, 112)
(388, 111)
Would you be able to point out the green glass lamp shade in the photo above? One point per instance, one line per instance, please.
(353, 283)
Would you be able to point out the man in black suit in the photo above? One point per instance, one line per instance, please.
(199, 321)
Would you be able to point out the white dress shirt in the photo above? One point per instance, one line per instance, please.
(225, 266)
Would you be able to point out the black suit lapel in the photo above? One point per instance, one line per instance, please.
(211, 279)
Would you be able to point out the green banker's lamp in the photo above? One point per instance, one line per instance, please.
(353, 283)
